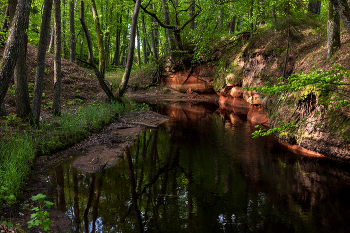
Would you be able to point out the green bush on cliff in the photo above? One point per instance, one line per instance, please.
(330, 87)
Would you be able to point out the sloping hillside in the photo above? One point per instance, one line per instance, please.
(78, 84)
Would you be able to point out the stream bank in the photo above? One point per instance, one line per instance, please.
(94, 154)
(243, 62)
(200, 171)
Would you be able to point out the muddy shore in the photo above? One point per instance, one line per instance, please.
(97, 152)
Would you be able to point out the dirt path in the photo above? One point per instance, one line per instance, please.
(100, 151)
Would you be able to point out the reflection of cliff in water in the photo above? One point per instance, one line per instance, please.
(202, 172)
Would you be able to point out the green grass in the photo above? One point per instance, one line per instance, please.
(19, 147)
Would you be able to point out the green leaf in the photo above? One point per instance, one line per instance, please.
(40, 197)
(46, 224)
(48, 204)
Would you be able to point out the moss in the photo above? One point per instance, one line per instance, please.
(339, 125)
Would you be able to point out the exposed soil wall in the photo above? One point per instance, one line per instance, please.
(243, 62)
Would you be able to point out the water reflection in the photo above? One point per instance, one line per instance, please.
(202, 172)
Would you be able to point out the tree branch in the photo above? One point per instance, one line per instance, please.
(163, 25)
(188, 21)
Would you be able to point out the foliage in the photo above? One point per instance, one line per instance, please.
(40, 217)
(328, 86)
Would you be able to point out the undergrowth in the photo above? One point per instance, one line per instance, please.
(18, 147)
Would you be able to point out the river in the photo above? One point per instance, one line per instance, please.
(203, 172)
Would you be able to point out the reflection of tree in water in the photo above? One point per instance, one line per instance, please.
(210, 178)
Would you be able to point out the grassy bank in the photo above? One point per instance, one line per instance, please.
(20, 144)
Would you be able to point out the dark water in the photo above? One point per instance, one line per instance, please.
(202, 172)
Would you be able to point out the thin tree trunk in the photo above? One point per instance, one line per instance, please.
(63, 25)
(333, 30)
(21, 83)
(86, 31)
(274, 18)
(38, 86)
(131, 49)
(116, 58)
(15, 39)
(138, 46)
(232, 23)
(315, 7)
(221, 19)
(51, 39)
(99, 75)
(342, 7)
(99, 35)
(56, 106)
(167, 21)
(154, 36)
(81, 50)
(72, 31)
(107, 45)
(251, 18)
(192, 12)
(144, 39)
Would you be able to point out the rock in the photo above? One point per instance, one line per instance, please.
(236, 92)
(257, 116)
(255, 99)
(237, 105)
(182, 81)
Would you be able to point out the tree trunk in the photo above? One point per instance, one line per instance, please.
(63, 43)
(144, 39)
(274, 19)
(333, 30)
(192, 12)
(20, 76)
(72, 31)
(131, 49)
(99, 75)
(315, 7)
(342, 7)
(232, 24)
(154, 36)
(221, 19)
(38, 87)
(12, 10)
(56, 106)
(251, 18)
(99, 35)
(116, 58)
(51, 39)
(21, 83)
(138, 45)
(86, 31)
(167, 21)
(15, 39)
(107, 45)
(81, 50)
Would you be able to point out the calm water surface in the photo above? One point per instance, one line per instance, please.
(202, 172)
